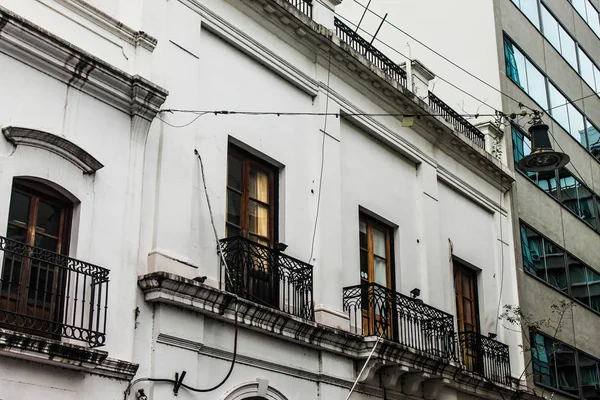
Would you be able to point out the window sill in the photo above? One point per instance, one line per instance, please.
(567, 394)
(66, 355)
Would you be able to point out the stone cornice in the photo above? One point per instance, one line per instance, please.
(32, 45)
(393, 97)
(109, 24)
(167, 288)
(55, 144)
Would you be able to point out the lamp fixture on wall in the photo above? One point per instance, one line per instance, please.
(542, 158)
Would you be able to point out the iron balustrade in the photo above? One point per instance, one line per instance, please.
(48, 294)
(305, 6)
(485, 356)
(376, 310)
(460, 124)
(376, 57)
(268, 276)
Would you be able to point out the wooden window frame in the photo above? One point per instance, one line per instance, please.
(374, 223)
(249, 161)
(460, 268)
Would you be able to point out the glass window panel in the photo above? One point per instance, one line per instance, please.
(380, 272)
(46, 242)
(547, 181)
(588, 371)
(11, 275)
(568, 49)
(593, 137)
(532, 249)
(576, 125)
(577, 273)
(259, 185)
(258, 219)
(16, 233)
(232, 230)
(551, 29)
(593, 280)
(558, 105)
(536, 83)
(541, 361)
(565, 372)
(234, 173)
(597, 78)
(264, 263)
(363, 234)
(234, 201)
(19, 208)
(530, 9)
(593, 19)
(577, 197)
(586, 69)
(516, 66)
(555, 266)
(580, 7)
(48, 219)
(379, 243)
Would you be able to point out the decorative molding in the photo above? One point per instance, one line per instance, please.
(55, 144)
(108, 23)
(252, 48)
(179, 342)
(117, 369)
(162, 287)
(32, 45)
(260, 388)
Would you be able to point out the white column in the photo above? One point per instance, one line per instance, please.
(323, 12)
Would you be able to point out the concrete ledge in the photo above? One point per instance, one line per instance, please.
(167, 288)
(67, 355)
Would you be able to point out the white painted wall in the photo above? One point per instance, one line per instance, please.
(202, 71)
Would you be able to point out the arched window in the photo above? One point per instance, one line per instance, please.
(32, 289)
(259, 390)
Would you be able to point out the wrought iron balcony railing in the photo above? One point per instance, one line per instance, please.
(305, 6)
(362, 46)
(48, 294)
(268, 277)
(374, 310)
(485, 356)
(460, 124)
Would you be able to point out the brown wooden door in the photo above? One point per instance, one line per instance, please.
(251, 212)
(467, 307)
(375, 268)
(37, 217)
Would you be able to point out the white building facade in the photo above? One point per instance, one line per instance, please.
(259, 200)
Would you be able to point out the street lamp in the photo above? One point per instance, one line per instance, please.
(542, 158)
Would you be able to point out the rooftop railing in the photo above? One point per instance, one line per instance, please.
(305, 6)
(376, 57)
(376, 310)
(268, 277)
(458, 121)
(485, 356)
(48, 294)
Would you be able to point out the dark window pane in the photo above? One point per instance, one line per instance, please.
(547, 181)
(232, 230)
(16, 233)
(555, 266)
(593, 280)
(588, 371)
(234, 173)
(234, 201)
(48, 219)
(258, 219)
(577, 197)
(533, 253)
(554, 364)
(579, 287)
(363, 235)
(19, 208)
(11, 275)
(364, 265)
(47, 243)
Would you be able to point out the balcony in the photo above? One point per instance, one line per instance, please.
(376, 310)
(485, 356)
(363, 47)
(305, 6)
(51, 295)
(460, 124)
(268, 277)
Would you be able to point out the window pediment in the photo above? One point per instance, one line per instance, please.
(55, 144)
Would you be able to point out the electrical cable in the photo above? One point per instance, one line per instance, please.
(193, 389)
(314, 235)
(502, 264)
(201, 113)
(437, 53)
(313, 113)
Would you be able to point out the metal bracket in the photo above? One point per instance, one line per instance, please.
(178, 382)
